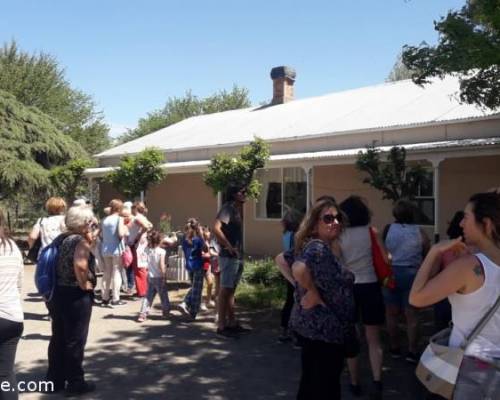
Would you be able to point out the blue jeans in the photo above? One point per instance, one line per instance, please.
(399, 296)
(155, 285)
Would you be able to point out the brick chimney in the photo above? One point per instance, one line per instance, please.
(283, 79)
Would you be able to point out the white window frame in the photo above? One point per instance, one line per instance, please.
(433, 197)
(257, 218)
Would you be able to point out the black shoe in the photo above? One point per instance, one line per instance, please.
(79, 388)
(376, 392)
(395, 353)
(117, 303)
(228, 333)
(239, 329)
(412, 358)
(355, 390)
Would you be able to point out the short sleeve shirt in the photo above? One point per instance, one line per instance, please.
(231, 228)
(334, 322)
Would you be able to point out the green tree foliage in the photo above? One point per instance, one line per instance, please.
(394, 178)
(179, 108)
(226, 169)
(37, 80)
(469, 45)
(30, 145)
(399, 71)
(68, 181)
(136, 173)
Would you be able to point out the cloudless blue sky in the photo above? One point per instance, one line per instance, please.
(131, 56)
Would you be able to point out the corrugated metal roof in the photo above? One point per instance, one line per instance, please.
(350, 154)
(379, 107)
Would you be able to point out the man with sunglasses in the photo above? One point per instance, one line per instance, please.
(229, 232)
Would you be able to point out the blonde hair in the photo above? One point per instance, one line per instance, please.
(77, 217)
(115, 205)
(55, 206)
(308, 227)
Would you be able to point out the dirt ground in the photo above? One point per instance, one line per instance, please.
(176, 359)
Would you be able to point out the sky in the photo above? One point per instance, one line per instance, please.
(131, 56)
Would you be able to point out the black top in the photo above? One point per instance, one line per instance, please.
(230, 217)
(65, 271)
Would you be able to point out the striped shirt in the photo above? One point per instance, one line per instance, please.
(11, 267)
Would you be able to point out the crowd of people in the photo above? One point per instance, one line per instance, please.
(333, 291)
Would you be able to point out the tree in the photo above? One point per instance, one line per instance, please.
(68, 180)
(37, 80)
(226, 169)
(30, 145)
(179, 108)
(135, 174)
(394, 178)
(469, 46)
(399, 71)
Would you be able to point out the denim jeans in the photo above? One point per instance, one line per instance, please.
(155, 285)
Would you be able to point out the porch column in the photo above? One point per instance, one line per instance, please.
(91, 192)
(308, 169)
(435, 166)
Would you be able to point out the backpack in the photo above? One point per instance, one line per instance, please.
(45, 272)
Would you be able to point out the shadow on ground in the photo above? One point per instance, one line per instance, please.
(186, 360)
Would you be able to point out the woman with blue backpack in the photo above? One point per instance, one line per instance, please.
(192, 246)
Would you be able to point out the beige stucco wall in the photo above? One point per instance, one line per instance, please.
(181, 195)
(462, 177)
(262, 236)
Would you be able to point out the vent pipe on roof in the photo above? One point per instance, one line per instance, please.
(283, 80)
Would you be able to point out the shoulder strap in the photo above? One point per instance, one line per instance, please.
(481, 324)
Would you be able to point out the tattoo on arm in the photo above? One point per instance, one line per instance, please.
(478, 270)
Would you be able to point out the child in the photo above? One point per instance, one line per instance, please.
(156, 277)
(193, 246)
(209, 280)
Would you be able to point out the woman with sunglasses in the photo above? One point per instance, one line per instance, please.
(323, 315)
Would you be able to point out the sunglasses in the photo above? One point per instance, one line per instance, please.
(331, 218)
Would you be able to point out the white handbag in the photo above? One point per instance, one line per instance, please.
(439, 364)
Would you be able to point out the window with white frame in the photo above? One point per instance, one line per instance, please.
(424, 200)
(283, 189)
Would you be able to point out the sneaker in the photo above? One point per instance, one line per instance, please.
(412, 358)
(183, 307)
(141, 318)
(211, 304)
(355, 390)
(79, 388)
(228, 333)
(105, 303)
(117, 303)
(203, 307)
(239, 329)
(395, 353)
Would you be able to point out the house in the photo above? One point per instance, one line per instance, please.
(314, 144)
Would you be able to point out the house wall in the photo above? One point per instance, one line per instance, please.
(182, 196)
(459, 179)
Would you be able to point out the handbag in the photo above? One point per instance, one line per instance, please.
(383, 270)
(439, 364)
(35, 249)
(127, 256)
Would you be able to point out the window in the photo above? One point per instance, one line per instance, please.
(283, 189)
(424, 200)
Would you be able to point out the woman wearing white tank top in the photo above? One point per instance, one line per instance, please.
(472, 284)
